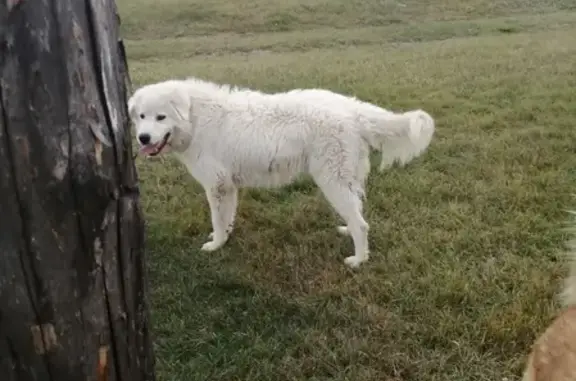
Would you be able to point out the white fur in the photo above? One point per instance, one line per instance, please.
(230, 138)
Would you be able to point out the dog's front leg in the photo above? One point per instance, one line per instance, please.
(218, 215)
(229, 204)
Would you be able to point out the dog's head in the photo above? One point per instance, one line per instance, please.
(162, 116)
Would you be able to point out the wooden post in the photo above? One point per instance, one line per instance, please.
(73, 297)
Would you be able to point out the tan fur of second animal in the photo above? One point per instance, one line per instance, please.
(553, 356)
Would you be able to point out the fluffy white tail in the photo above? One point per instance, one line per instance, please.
(569, 292)
(400, 137)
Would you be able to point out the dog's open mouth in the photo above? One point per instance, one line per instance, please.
(155, 149)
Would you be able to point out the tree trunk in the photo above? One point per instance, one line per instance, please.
(72, 270)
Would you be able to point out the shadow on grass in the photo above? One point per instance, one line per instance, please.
(217, 325)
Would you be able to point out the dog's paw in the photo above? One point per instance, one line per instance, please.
(343, 230)
(354, 261)
(211, 246)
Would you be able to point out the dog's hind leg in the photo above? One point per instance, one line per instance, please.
(347, 201)
(362, 171)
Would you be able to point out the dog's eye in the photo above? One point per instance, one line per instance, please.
(160, 117)
(142, 116)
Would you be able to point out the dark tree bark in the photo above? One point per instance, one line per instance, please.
(72, 269)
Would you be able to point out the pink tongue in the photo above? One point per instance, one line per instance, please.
(149, 149)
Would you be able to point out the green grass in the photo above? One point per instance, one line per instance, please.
(466, 241)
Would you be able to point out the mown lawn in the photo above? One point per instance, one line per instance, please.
(466, 241)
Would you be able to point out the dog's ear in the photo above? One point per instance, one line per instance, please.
(132, 107)
(182, 105)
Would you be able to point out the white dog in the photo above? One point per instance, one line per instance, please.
(229, 138)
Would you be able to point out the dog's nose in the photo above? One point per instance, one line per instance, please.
(144, 138)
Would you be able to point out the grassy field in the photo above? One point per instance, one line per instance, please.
(466, 241)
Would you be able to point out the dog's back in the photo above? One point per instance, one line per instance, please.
(553, 356)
